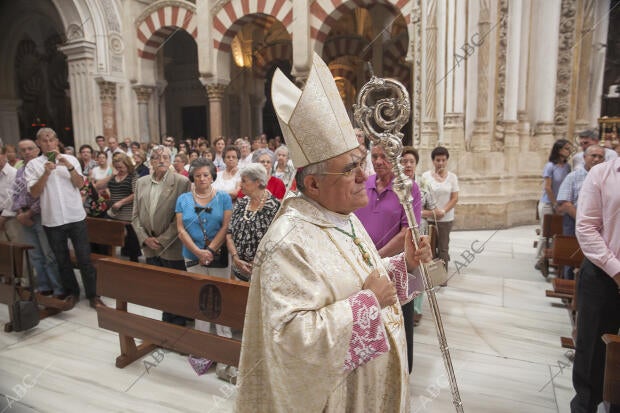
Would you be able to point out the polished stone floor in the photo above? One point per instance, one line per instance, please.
(504, 339)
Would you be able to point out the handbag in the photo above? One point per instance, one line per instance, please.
(24, 313)
(220, 257)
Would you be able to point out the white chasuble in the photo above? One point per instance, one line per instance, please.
(299, 321)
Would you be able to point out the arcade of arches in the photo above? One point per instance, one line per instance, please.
(494, 81)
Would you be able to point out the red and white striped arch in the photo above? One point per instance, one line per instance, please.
(229, 20)
(325, 13)
(155, 28)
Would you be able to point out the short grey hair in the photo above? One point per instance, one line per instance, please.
(592, 148)
(280, 149)
(260, 152)
(589, 133)
(255, 172)
(312, 169)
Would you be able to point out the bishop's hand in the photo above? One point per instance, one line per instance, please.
(414, 256)
(382, 287)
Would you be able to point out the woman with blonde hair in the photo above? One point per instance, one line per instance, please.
(122, 185)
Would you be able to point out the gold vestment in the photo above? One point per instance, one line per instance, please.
(298, 321)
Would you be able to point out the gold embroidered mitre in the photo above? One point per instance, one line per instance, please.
(314, 122)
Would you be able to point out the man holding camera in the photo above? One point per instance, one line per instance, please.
(57, 178)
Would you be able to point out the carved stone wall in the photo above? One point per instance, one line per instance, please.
(565, 66)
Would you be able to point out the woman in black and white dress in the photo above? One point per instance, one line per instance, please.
(250, 220)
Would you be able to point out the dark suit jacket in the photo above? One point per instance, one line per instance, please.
(164, 226)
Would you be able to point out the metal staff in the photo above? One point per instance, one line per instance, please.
(389, 114)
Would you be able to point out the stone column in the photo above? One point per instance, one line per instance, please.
(143, 93)
(481, 139)
(524, 131)
(81, 64)
(302, 51)
(215, 92)
(257, 103)
(511, 96)
(454, 126)
(544, 70)
(9, 122)
(245, 106)
(429, 124)
(522, 118)
(107, 95)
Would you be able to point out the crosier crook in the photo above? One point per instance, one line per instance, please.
(382, 118)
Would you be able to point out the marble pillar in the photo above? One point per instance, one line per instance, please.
(522, 116)
(143, 94)
(428, 137)
(544, 69)
(257, 103)
(523, 131)
(84, 105)
(454, 125)
(107, 96)
(511, 89)
(481, 139)
(215, 93)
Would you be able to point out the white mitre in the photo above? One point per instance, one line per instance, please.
(314, 122)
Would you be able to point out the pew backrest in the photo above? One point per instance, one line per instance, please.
(178, 292)
(566, 251)
(108, 232)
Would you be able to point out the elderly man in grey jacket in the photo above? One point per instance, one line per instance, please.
(154, 218)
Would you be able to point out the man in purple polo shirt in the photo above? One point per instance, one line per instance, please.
(385, 221)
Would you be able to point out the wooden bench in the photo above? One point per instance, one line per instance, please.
(106, 232)
(179, 292)
(13, 258)
(611, 385)
(552, 225)
(565, 252)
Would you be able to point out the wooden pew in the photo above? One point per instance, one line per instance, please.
(179, 292)
(565, 252)
(552, 225)
(12, 269)
(611, 385)
(103, 231)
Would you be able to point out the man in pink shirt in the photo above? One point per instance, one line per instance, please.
(598, 290)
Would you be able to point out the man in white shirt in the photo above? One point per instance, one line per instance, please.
(57, 180)
(112, 149)
(9, 227)
(587, 138)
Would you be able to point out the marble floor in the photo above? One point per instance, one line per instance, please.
(502, 332)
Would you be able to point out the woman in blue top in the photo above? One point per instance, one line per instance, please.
(203, 216)
(553, 174)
